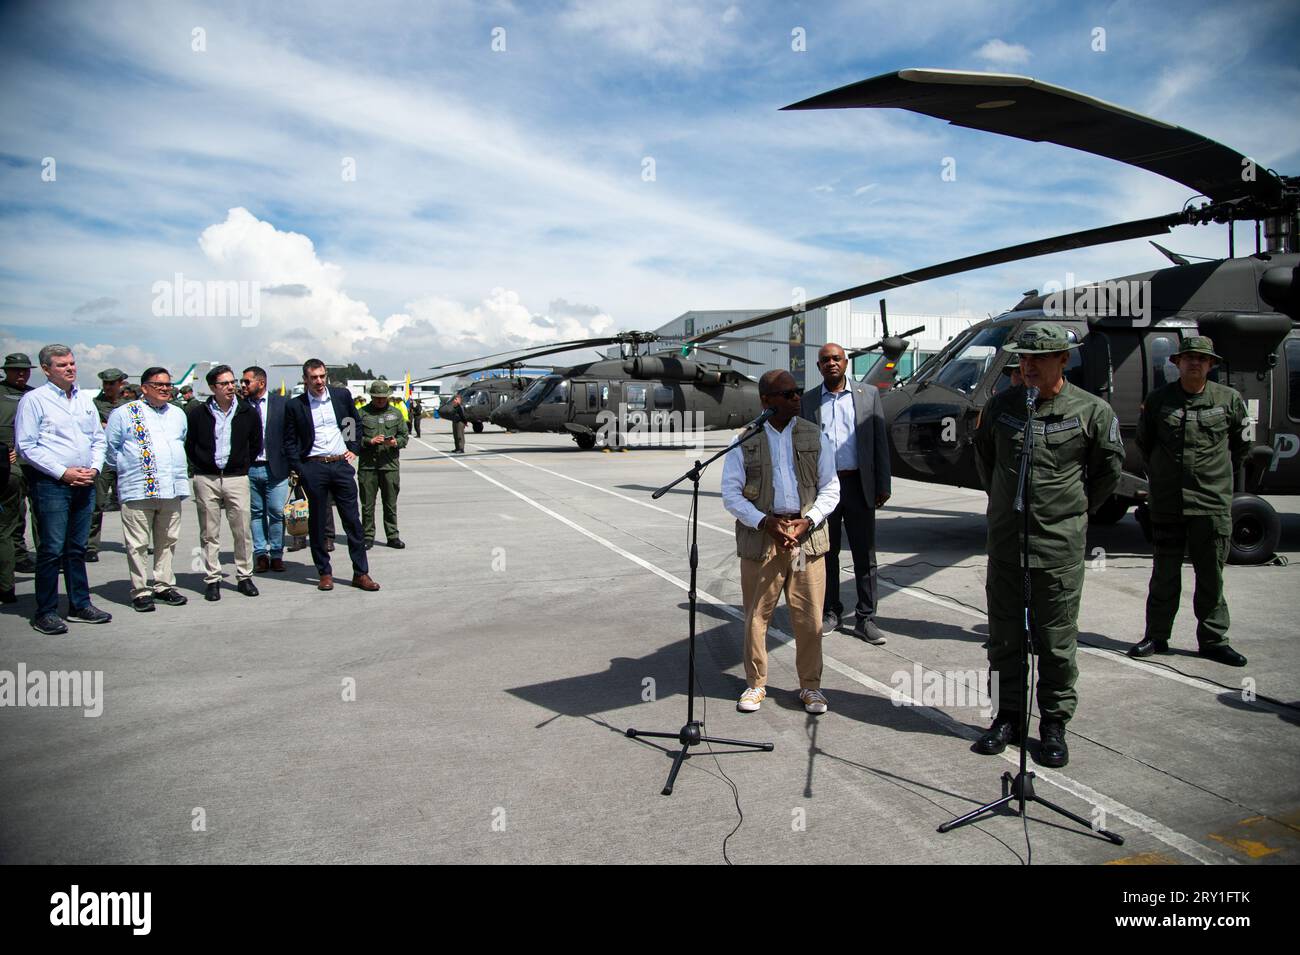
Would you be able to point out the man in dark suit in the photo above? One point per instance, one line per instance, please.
(268, 478)
(322, 438)
(850, 415)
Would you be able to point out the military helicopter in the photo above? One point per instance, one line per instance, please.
(1127, 327)
(660, 392)
(483, 396)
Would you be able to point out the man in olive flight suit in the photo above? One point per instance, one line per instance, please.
(383, 435)
(1078, 455)
(110, 396)
(13, 492)
(1192, 436)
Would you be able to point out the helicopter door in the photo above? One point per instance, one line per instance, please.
(1097, 371)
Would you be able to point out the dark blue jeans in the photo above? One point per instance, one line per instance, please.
(64, 514)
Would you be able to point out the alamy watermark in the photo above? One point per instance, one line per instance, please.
(190, 298)
(1117, 298)
(650, 428)
(951, 689)
(71, 688)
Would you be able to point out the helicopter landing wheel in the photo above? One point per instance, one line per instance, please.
(585, 441)
(1256, 530)
(478, 427)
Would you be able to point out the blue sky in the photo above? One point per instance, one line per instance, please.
(500, 195)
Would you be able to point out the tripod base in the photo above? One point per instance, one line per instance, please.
(692, 735)
(1020, 788)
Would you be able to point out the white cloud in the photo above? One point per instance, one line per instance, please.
(1002, 54)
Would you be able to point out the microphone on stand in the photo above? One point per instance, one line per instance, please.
(1031, 397)
(755, 426)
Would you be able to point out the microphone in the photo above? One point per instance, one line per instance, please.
(1031, 397)
(758, 422)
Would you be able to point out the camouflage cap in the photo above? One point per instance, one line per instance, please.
(1198, 345)
(1041, 338)
(112, 374)
(1011, 367)
(380, 388)
(17, 360)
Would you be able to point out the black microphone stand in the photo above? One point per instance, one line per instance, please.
(692, 733)
(1021, 786)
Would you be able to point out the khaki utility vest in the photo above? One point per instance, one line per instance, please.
(754, 544)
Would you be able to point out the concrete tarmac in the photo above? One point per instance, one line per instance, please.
(474, 709)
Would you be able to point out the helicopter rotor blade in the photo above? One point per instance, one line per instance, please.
(1136, 229)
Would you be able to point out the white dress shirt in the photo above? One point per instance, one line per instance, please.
(839, 423)
(221, 434)
(329, 439)
(54, 431)
(785, 487)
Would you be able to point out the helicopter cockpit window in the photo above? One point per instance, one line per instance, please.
(929, 368)
(558, 395)
(967, 367)
(538, 388)
(1160, 350)
(635, 396)
(480, 398)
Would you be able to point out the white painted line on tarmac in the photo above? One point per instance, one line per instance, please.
(1175, 840)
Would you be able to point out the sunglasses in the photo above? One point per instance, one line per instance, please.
(157, 384)
(787, 394)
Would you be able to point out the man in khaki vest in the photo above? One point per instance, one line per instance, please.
(780, 485)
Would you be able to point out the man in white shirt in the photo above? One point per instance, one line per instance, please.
(61, 444)
(780, 485)
(146, 445)
(851, 416)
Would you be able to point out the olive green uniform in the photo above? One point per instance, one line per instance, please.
(1078, 455)
(106, 482)
(13, 496)
(1192, 446)
(377, 472)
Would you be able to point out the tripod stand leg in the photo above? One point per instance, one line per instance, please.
(672, 773)
(1118, 840)
(765, 747)
(991, 807)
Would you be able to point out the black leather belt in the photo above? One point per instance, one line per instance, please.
(328, 458)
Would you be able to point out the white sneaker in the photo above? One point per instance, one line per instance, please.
(751, 699)
(813, 701)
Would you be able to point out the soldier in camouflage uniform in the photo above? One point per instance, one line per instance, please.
(1192, 436)
(383, 435)
(1077, 460)
(111, 395)
(13, 493)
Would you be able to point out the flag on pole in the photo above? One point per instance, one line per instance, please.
(408, 386)
(281, 387)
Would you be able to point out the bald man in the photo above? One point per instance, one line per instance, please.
(850, 416)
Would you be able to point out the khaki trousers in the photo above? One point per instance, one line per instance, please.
(761, 585)
(212, 495)
(155, 523)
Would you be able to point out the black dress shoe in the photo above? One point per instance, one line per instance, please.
(89, 614)
(1222, 653)
(50, 624)
(172, 597)
(1052, 750)
(92, 557)
(1005, 729)
(395, 543)
(213, 592)
(1148, 646)
(247, 588)
(144, 603)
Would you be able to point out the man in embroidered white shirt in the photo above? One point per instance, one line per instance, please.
(146, 445)
(61, 444)
(780, 485)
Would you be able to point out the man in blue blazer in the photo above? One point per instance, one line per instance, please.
(322, 437)
(849, 413)
(268, 477)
